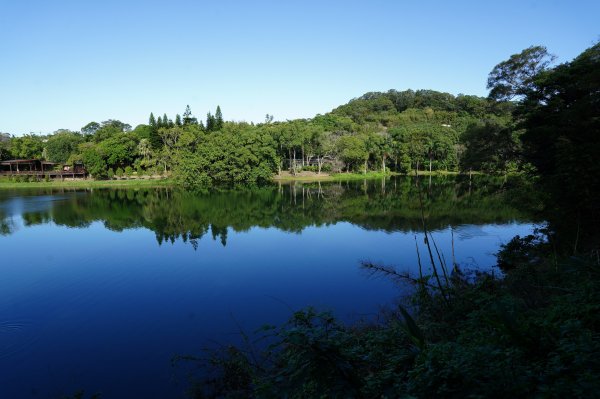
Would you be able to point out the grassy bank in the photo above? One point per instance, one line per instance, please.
(311, 176)
(88, 183)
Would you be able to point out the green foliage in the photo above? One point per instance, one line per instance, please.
(378, 131)
(236, 155)
(5, 144)
(218, 119)
(61, 145)
(190, 171)
(166, 122)
(419, 143)
(561, 118)
(90, 129)
(110, 128)
(353, 151)
(119, 149)
(210, 122)
(142, 132)
(188, 119)
(491, 147)
(516, 76)
(28, 146)
(93, 160)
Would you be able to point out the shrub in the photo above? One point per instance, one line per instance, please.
(310, 168)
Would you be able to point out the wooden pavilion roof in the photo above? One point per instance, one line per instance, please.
(18, 161)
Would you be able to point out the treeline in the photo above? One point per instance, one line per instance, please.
(397, 130)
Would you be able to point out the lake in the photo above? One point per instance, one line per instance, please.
(101, 288)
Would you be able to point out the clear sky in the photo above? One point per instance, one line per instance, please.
(66, 63)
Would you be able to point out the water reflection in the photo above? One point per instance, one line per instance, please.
(386, 205)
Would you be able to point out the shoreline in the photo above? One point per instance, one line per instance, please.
(283, 178)
(87, 183)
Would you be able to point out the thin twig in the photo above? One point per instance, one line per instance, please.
(442, 262)
(454, 265)
(391, 272)
(419, 258)
(435, 273)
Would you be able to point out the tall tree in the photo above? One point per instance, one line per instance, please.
(166, 121)
(515, 77)
(218, 119)
(210, 122)
(144, 149)
(90, 129)
(4, 146)
(188, 118)
(178, 120)
(562, 140)
(154, 138)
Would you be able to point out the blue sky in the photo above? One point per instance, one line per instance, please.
(66, 63)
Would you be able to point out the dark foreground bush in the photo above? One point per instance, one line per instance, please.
(534, 333)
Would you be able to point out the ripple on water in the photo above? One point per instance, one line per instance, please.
(16, 336)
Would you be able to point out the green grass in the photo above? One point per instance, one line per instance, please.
(334, 176)
(8, 184)
(362, 176)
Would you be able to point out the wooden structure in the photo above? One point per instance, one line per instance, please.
(40, 169)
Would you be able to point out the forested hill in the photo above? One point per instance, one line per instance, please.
(454, 132)
(398, 130)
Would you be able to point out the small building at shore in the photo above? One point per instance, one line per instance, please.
(39, 168)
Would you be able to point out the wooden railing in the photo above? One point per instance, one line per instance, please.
(78, 172)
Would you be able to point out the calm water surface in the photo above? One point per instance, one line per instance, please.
(101, 288)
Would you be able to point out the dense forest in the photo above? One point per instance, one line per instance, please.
(395, 130)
